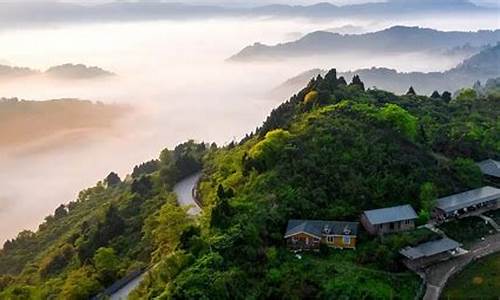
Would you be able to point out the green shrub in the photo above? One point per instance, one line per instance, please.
(56, 261)
(107, 264)
(401, 119)
(265, 152)
(81, 284)
(467, 172)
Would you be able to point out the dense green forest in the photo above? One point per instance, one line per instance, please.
(107, 233)
(330, 152)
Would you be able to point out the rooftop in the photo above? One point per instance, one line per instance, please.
(390, 214)
(430, 248)
(490, 167)
(319, 228)
(469, 198)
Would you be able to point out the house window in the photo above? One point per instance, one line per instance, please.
(294, 239)
(347, 240)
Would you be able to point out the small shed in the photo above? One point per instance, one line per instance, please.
(431, 252)
(389, 219)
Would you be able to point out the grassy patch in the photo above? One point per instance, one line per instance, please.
(467, 230)
(481, 280)
(338, 276)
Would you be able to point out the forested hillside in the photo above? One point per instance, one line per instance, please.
(108, 232)
(330, 152)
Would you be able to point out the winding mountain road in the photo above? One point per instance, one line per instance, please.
(185, 193)
(185, 197)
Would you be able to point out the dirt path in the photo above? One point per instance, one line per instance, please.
(437, 276)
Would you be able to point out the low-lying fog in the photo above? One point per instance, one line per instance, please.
(175, 77)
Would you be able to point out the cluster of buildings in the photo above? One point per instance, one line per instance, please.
(310, 234)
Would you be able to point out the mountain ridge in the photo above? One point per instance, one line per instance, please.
(57, 12)
(479, 67)
(395, 39)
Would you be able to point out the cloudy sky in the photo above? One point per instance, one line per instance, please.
(249, 2)
(264, 2)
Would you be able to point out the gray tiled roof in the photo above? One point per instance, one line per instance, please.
(466, 199)
(430, 248)
(316, 227)
(490, 167)
(390, 214)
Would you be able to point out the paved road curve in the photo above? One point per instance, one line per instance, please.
(438, 275)
(123, 292)
(184, 191)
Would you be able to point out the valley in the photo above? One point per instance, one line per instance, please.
(160, 150)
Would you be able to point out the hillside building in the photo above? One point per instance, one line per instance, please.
(309, 234)
(431, 252)
(471, 202)
(390, 219)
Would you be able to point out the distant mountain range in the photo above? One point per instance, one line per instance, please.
(480, 67)
(65, 72)
(56, 12)
(375, 9)
(397, 39)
